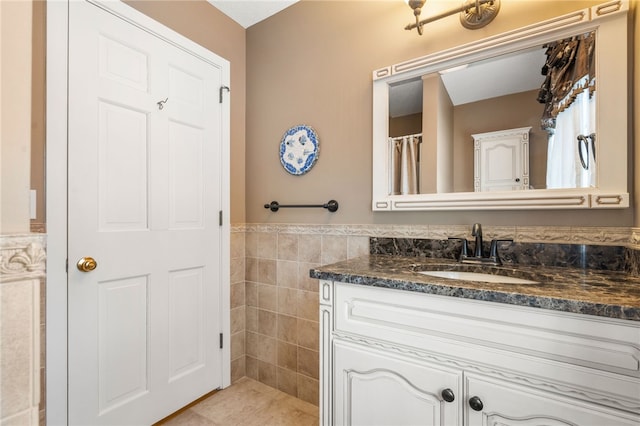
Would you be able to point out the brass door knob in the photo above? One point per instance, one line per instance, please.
(86, 264)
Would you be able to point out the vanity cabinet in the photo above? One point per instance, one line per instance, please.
(393, 357)
(382, 388)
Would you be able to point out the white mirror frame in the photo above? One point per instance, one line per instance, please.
(610, 22)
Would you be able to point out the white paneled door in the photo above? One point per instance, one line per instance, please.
(144, 201)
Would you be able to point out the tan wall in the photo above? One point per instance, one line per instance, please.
(290, 80)
(634, 175)
(38, 119)
(406, 125)
(15, 126)
(312, 64)
(505, 112)
(207, 26)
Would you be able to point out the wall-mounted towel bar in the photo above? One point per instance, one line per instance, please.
(331, 205)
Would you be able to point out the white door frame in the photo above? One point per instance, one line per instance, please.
(56, 200)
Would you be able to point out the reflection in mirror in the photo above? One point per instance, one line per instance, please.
(549, 88)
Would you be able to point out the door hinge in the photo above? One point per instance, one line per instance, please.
(223, 88)
(220, 217)
(66, 265)
(221, 340)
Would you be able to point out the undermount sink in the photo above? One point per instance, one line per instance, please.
(478, 276)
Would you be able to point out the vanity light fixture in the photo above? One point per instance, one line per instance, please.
(474, 14)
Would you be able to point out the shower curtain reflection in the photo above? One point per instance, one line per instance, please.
(404, 155)
(570, 162)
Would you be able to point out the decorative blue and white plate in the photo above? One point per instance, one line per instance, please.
(299, 149)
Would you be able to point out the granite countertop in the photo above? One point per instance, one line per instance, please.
(602, 293)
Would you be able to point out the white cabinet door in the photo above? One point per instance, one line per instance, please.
(501, 160)
(492, 402)
(374, 387)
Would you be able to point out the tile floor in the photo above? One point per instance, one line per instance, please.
(247, 403)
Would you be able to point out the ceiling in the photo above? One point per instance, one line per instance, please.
(249, 12)
(500, 76)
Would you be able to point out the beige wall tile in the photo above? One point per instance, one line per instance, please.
(334, 248)
(308, 334)
(237, 345)
(287, 329)
(288, 246)
(287, 301)
(251, 244)
(251, 269)
(308, 389)
(237, 245)
(267, 323)
(310, 248)
(357, 246)
(251, 319)
(267, 349)
(287, 274)
(251, 367)
(308, 362)
(238, 319)
(251, 293)
(238, 270)
(287, 355)
(251, 345)
(267, 272)
(308, 305)
(267, 297)
(267, 374)
(267, 245)
(287, 381)
(238, 369)
(305, 282)
(237, 294)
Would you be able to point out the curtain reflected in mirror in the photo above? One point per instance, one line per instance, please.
(569, 95)
(404, 156)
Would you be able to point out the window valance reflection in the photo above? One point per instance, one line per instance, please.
(568, 93)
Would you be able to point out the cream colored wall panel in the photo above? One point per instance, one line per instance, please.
(19, 352)
(22, 266)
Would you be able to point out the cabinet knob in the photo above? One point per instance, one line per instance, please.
(476, 403)
(448, 395)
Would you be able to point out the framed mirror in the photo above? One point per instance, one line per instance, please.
(505, 123)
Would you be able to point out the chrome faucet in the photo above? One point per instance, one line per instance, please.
(478, 252)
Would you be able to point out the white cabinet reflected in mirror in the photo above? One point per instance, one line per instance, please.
(548, 78)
